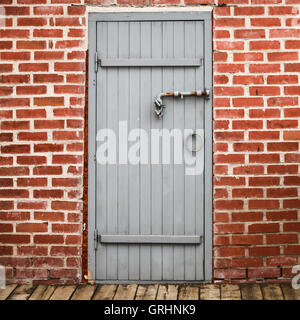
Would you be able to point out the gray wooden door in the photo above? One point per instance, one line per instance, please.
(150, 217)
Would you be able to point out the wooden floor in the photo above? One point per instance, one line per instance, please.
(151, 292)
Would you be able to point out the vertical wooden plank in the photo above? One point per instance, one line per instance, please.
(146, 115)
(146, 292)
(112, 169)
(167, 150)
(126, 292)
(251, 292)
(179, 171)
(123, 195)
(230, 292)
(22, 292)
(199, 125)
(189, 192)
(272, 292)
(101, 170)
(134, 169)
(210, 292)
(4, 293)
(167, 292)
(105, 292)
(63, 292)
(42, 292)
(188, 292)
(290, 293)
(156, 174)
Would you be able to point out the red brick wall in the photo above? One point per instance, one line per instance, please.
(256, 137)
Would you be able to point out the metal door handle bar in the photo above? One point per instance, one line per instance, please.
(159, 106)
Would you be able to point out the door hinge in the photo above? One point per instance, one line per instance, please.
(96, 61)
(96, 239)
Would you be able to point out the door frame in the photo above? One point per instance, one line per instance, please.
(146, 15)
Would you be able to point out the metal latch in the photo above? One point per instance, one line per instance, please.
(159, 106)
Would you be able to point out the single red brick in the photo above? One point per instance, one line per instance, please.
(229, 158)
(48, 33)
(47, 262)
(264, 45)
(246, 216)
(49, 101)
(28, 22)
(32, 182)
(228, 204)
(16, 148)
(32, 227)
(264, 68)
(283, 146)
(32, 205)
(247, 124)
(231, 136)
(229, 181)
(47, 170)
(282, 79)
(32, 136)
(277, 124)
(292, 67)
(49, 124)
(248, 56)
(282, 238)
(263, 204)
(283, 10)
(247, 193)
(283, 101)
(36, 67)
(281, 215)
(31, 160)
(293, 203)
(48, 239)
(265, 22)
(53, 193)
(14, 33)
(230, 68)
(31, 90)
(245, 170)
(292, 157)
(15, 78)
(49, 216)
(14, 238)
(12, 216)
(36, 113)
(65, 205)
(264, 273)
(282, 56)
(247, 239)
(282, 169)
(249, 33)
(281, 261)
(229, 45)
(230, 252)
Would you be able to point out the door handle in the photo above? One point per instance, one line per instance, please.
(159, 106)
(194, 135)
